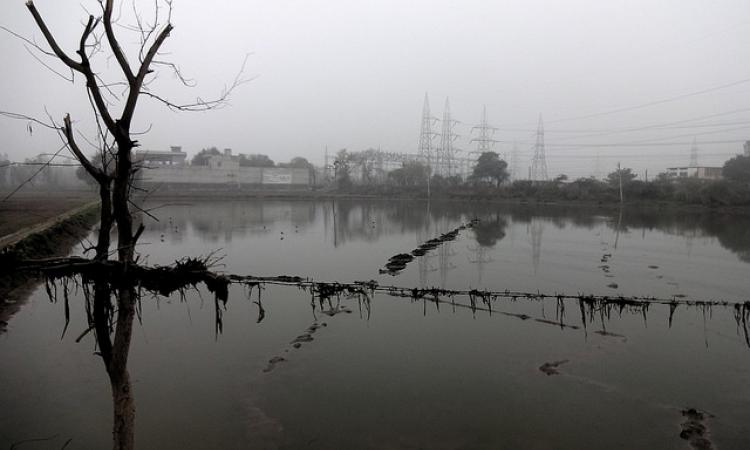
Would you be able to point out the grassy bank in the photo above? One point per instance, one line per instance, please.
(56, 238)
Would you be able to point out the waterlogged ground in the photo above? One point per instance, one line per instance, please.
(406, 374)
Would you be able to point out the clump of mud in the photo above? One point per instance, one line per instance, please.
(550, 368)
(398, 262)
(694, 429)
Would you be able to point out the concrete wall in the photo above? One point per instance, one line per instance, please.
(51, 177)
(225, 177)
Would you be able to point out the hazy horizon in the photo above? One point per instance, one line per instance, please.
(633, 82)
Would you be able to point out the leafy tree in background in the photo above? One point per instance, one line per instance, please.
(201, 158)
(299, 162)
(489, 165)
(342, 168)
(737, 169)
(613, 178)
(562, 178)
(256, 161)
(410, 174)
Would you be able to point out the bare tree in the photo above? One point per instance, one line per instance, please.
(114, 171)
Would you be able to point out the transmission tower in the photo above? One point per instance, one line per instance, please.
(514, 162)
(446, 155)
(484, 140)
(426, 135)
(539, 163)
(694, 155)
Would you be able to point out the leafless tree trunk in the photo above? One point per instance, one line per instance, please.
(114, 192)
(116, 174)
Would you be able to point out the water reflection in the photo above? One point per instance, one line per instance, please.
(409, 354)
(368, 221)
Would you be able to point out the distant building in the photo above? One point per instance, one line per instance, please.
(150, 158)
(746, 146)
(224, 161)
(701, 173)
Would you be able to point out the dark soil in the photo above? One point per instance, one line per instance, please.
(24, 209)
(57, 240)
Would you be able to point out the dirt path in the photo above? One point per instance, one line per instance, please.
(27, 212)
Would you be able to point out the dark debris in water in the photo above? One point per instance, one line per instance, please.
(694, 429)
(398, 262)
(273, 362)
(550, 368)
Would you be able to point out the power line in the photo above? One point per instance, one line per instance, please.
(653, 103)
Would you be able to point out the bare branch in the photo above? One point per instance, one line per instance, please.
(16, 116)
(135, 87)
(39, 60)
(114, 44)
(94, 171)
(201, 104)
(189, 82)
(51, 39)
(27, 40)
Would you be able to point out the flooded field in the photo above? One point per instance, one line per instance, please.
(393, 372)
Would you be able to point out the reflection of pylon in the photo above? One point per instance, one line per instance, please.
(694, 155)
(539, 163)
(424, 262)
(426, 135)
(480, 259)
(536, 228)
(446, 252)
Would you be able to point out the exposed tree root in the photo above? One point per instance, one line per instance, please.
(190, 272)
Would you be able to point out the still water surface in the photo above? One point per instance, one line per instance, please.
(408, 374)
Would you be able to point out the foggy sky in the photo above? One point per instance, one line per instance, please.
(353, 74)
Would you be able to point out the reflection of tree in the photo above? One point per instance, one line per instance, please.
(734, 235)
(488, 231)
(731, 231)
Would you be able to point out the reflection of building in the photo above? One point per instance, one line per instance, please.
(701, 173)
(149, 158)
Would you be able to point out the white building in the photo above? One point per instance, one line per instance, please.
(150, 158)
(701, 173)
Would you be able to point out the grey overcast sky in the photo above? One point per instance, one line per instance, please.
(353, 74)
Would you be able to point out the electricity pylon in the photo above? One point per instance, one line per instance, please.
(539, 163)
(485, 140)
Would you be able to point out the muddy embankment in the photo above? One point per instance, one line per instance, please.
(56, 237)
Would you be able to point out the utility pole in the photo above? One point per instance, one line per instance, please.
(539, 163)
(325, 167)
(619, 176)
